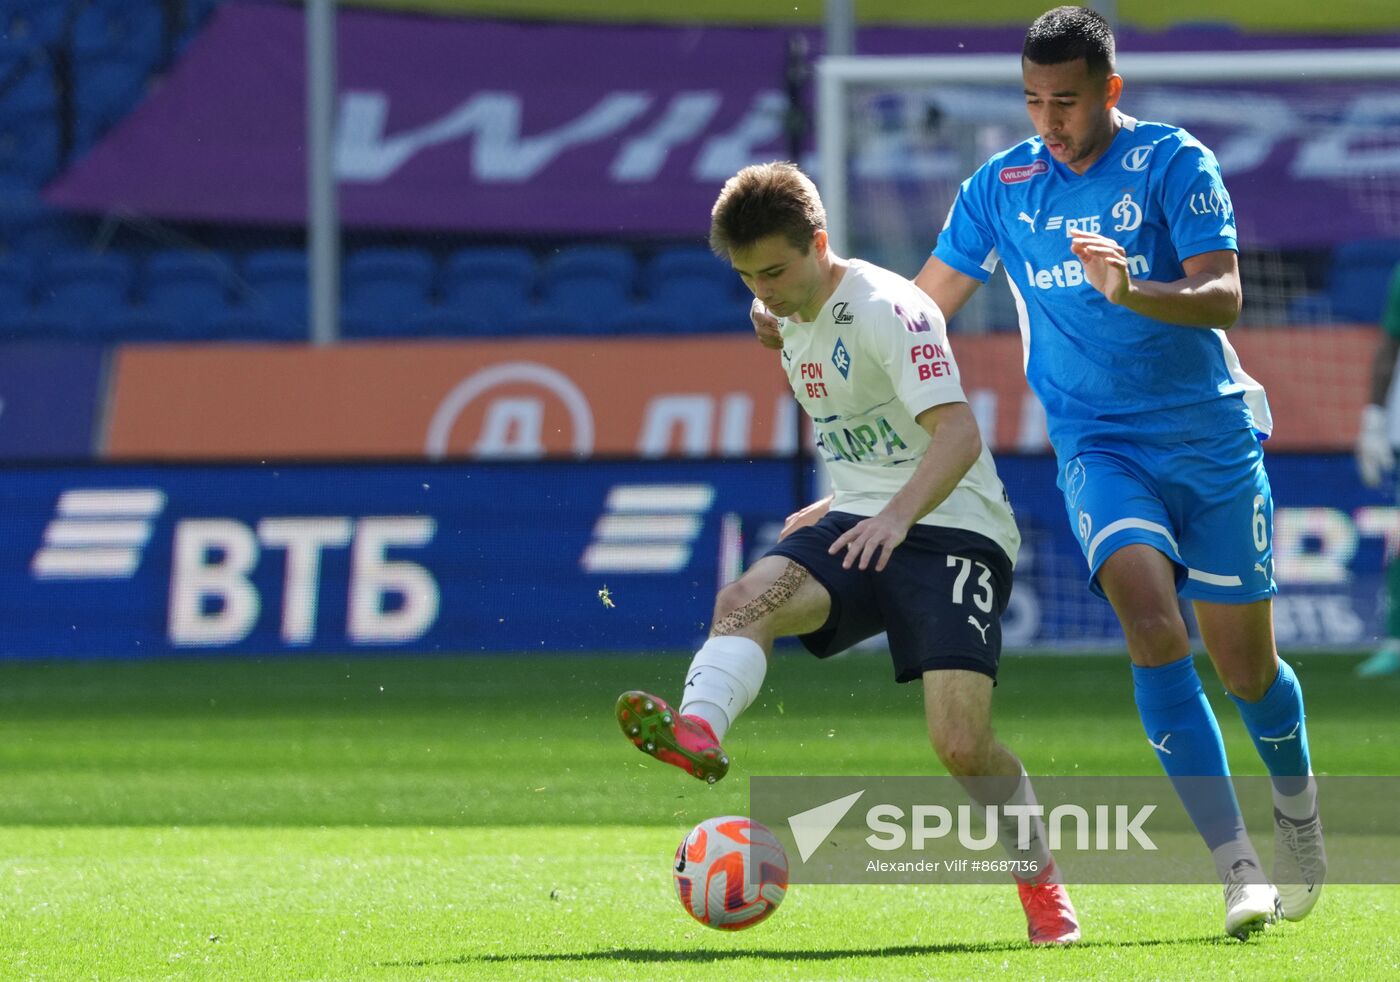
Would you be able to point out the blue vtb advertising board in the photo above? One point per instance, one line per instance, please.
(132, 562)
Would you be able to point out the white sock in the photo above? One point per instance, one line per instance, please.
(1227, 854)
(723, 681)
(1298, 806)
(1037, 850)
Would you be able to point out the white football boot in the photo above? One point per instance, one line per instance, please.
(1300, 863)
(1251, 902)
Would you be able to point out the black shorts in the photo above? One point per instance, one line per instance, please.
(940, 598)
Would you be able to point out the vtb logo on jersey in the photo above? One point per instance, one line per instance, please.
(1128, 212)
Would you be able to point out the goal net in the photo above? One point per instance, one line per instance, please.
(1309, 144)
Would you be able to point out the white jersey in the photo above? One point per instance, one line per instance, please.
(874, 359)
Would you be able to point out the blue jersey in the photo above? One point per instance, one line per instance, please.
(1099, 369)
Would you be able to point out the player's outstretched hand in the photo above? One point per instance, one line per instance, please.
(1374, 456)
(870, 538)
(765, 325)
(807, 516)
(1105, 263)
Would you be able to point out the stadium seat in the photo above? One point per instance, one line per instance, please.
(44, 21)
(187, 286)
(144, 324)
(689, 279)
(95, 285)
(597, 279)
(116, 45)
(37, 324)
(553, 320)
(1359, 277)
(29, 225)
(252, 324)
(1310, 309)
(488, 282)
(16, 285)
(446, 322)
(277, 283)
(388, 285)
(678, 319)
(29, 135)
(355, 326)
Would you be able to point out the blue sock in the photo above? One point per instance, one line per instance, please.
(1179, 723)
(1276, 724)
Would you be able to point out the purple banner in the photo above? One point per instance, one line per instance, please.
(48, 401)
(488, 126)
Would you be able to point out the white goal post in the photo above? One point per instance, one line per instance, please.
(838, 75)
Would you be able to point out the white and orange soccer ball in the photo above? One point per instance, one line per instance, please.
(731, 872)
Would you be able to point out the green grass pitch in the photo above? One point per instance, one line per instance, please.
(480, 817)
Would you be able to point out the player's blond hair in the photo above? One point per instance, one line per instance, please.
(763, 200)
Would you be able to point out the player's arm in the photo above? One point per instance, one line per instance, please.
(1375, 458)
(1208, 296)
(1383, 368)
(955, 446)
(947, 287)
(808, 515)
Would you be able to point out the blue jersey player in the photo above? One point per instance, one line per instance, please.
(1118, 239)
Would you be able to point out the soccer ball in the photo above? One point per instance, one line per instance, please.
(731, 873)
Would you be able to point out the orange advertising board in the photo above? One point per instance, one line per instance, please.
(558, 397)
(721, 396)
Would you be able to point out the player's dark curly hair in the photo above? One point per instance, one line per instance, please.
(762, 200)
(1068, 33)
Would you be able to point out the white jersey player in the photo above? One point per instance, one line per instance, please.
(919, 541)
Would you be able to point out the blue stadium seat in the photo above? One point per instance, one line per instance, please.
(277, 281)
(29, 225)
(354, 326)
(252, 324)
(1359, 277)
(598, 278)
(94, 285)
(690, 278)
(16, 285)
(144, 324)
(488, 281)
(388, 285)
(678, 319)
(42, 324)
(116, 46)
(186, 285)
(444, 322)
(29, 135)
(44, 21)
(1310, 309)
(553, 320)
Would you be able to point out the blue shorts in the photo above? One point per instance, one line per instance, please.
(939, 600)
(1205, 504)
